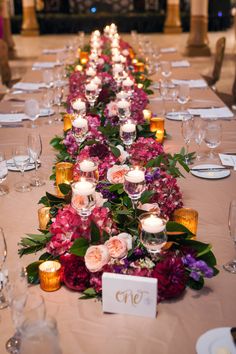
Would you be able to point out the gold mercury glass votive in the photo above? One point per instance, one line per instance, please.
(157, 125)
(49, 275)
(147, 114)
(67, 120)
(64, 174)
(187, 217)
(44, 217)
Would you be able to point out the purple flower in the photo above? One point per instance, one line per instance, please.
(198, 268)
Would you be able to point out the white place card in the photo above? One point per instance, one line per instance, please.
(129, 295)
(228, 160)
(31, 86)
(192, 83)
(11, 117)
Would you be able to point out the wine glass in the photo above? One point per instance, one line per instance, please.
(3, 256)
(134, 184)
(47, 101)
(3, 173)
(21, 160)
(32, 110)
(166, 70)
(213, 137)
(187, 133)
(35, 150)
(231, 266)
(183, 95)
(199, 134)
(48, 78)
(58, 95)
(128, 132)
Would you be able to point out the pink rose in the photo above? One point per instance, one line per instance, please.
(96, 257)
(117, 247)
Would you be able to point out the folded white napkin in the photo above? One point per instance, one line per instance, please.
(11, 117)
(25, 86)
(180, 64)
(53, 51)
(192, 83)
(44, 65)
(222, 112)
(168, 50)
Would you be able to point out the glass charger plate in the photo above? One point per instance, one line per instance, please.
(177, 115)
(11, 166)
(210, 174)
(216, 341)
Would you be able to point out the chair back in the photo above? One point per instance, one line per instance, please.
(234, 87)
(5, 70)
(219, 56)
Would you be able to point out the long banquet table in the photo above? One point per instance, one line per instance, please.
(83, 327)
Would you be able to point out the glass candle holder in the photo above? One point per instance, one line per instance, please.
(157, 125)
(123, 107)
(128, 132)
(147, 114)
(44, 217)
(89, 169)
(84, 57)
(49, 275)
(134, 184)
(67, 120)
(187, 217)
(152, 232)
(79, 106)
(80, 129)
(64, 174)
(83, 197)
(139, 67)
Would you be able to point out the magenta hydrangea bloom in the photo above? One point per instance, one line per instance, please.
(145, 149)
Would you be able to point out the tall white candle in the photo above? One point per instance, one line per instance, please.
(84, 187)
(80, 123)
(87, 166)
(135, 176)
(153, 224)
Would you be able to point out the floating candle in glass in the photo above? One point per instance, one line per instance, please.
(49, 275)
(89, 169)
(152, 232)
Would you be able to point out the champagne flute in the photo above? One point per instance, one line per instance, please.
(35, 150)
(231, 266)
(183, 95)
(213, 137)
(3, 174)
(32, 110)
(58, 95)
(21, 160)
(187, 133)
(199, 134)
(3, 256)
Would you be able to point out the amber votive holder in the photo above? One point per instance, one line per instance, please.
(49, 275)
(139, 67)
(44, 217)
(187, 217)
(64, 174)
(67, 120)
(157, 125)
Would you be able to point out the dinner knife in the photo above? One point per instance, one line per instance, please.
(233, 334)
(210, 169)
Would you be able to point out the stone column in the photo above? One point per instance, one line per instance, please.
(7, 35)
(173, 22)
(197, 44)
(30, 25)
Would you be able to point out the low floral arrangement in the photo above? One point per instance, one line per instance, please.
(110, 242)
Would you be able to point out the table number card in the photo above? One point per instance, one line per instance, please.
(129, 294)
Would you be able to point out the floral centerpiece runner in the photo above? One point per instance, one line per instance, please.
(108, 138)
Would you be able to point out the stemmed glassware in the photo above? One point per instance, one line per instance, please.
(134, 184)
(58, 95)
(91, 93)
(183, 95)
(3, 256)
(32, 110)
(3, 173)
(47, 103)
(123, 109)
(35, 150)
(199, 134)
(128, 132)
(213, 137)
(21, 158)
(48, 78)
(80, 129)
(231, 266)
(166, 70)
(187, 133)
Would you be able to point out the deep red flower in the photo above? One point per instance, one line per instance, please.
(171, 276)
(74, 273)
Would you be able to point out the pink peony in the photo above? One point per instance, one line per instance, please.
(117, 247)
(96, 257)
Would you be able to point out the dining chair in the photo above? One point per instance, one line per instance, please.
(5, 70)
(229, 99)
(219, 57)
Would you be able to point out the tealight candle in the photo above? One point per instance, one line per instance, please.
(135, 176)
(187, 217)
(80, 123)
(44, 217)
(117, 68)
(49, 275)
(97, 81)
(153, 224)
(79, 67)
(87, 166)
(116, 58)
(64, 174)
(84, 187)
(147, 114)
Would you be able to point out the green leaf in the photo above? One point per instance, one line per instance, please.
(146, 196)
(65, 188)
(46, 257)
(115, 151)
(173, 226)
(95, 233)
(209, 258)
(105, 236)
(33, 272)
(79, 247)
(88, 294)
(115, 187)
(196, 285)
(44, 200)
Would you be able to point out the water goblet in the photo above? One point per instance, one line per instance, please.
(21, 160)
(57, 96)
(83, 198)
(199, 134)
(80, 129)
(152, 232)
(187, 133)
(183, 95)
(32, 110)
(134, 184)
(35, 150)
(128, 132)
(213, 137)
(123, 108)
(3, 256)
(3, 173)
(231, 266)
